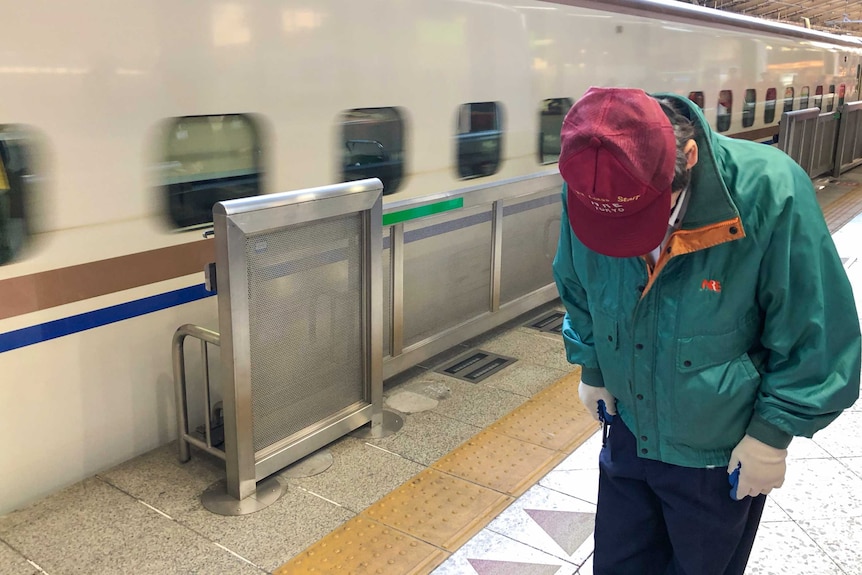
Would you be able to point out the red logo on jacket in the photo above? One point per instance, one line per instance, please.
(711, 285)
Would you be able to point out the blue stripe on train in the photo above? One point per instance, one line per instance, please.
(82, 322)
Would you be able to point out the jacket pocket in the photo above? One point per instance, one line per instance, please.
(713, 391)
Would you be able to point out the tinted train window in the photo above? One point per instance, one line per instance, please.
(16, 177)
(769, 108)
(724, 110)
(788, 100)
(480, 139)
(842, 91)
(551, 115)
(748, 108)
(818, 97)
(803, 97)
(830, 98)
(697, 98)
(373, 146)
(209, 159)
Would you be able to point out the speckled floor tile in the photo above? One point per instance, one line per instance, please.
(489, 553)
(804, 448)
(160, 480)
(530, 346)
(360, 474)
(580, 483)
(773, 512)
(587, 567)
(817, 488)
(523, 378)
(586, 456)
(13, 563)
(427, 436)
(854, 464)
(840, 539)
(841, 438)
(472, 403)
(550, 521)
(275, 534)
(784, 549)
(92, 528)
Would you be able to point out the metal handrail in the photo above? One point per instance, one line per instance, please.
(183, 437)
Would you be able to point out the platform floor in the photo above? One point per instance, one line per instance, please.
(490, 478)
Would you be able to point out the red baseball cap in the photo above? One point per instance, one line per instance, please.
(618, 152)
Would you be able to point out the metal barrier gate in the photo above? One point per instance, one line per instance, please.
(823, 142)
(300, 313)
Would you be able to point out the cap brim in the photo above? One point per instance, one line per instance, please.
(625, 236)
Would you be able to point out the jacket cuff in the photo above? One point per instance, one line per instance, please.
(764, 431)
(592, 376)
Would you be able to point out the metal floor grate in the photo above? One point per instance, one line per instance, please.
(549, 323)
(475, 365)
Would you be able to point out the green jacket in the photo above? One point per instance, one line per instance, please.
(746, 325)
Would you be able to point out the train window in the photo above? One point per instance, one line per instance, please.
(697, 98)
(818, 97)
(788, 100)
(803, 97)
(16, 177)
(373, 146)
(480, 138)
(830, 98)
(724, 110)
(842, 91)
(769, 109)
(748, 108)
(551, 115)
(209, 159)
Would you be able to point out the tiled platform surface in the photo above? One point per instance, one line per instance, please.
(811, 526)
(144, 516)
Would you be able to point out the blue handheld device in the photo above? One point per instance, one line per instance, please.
(733, 478)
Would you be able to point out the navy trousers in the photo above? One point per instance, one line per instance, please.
(654, 518)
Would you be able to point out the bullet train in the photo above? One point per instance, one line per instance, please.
(121, 123)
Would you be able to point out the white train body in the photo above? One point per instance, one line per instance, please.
(90, 85)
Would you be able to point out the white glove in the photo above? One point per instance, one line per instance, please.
(761, 467)
(590, 397)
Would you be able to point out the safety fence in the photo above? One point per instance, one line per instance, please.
(823, 142)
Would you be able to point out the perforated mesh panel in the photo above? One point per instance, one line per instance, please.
(305, 317)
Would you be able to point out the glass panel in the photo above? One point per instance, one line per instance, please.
(748, 108)
(769, 108)
(16, 183)
(697, 98)
(551, 115)
(209, 159)
(373, 146)
(788, 100)
(724, 110)
(480, 138)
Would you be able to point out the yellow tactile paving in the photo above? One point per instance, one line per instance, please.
(499, 462)
(365, 546)
(843, 209)
(555, 420)
(438, 508)
(422, 522)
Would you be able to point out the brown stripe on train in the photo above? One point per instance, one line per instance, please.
(44, 290)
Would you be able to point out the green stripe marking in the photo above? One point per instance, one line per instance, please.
(422, 211)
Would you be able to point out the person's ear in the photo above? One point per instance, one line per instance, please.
(690, 151)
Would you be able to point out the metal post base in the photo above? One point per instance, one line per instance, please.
(217, 500)
(392, 423)
(310, 465)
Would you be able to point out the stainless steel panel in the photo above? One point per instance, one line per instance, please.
(305, 321)
(531, 230)
(447, 271)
